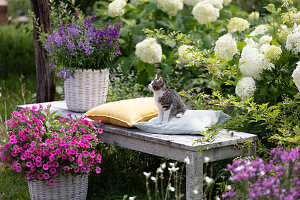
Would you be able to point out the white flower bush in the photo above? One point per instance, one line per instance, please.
(216, 3)
(116, 8)
(191, 2)
(171, 7)
(237, 24)
(293, 41)
(254, 15)
(205, 13)
(273, 52)
(245, 88)
(252, 62)
(149, 51)
(261, 29)
(296, 76)
(266, 39)
(184, 54)
(227, 1)
(226, 47)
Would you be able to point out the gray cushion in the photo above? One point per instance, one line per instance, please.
(192, 122)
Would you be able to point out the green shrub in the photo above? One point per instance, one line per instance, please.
(16, 50)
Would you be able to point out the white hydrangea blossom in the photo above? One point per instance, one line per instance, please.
(254, 15)
(116, 8)
(191, 2)
(216, 3)
(261, 29)
(296, 76)
(226, 47)
(266, 39)
(273, 52)
(251, 42)
(283, 33)
(205, 13)
(293, 41)
(171, 7)
(184, 54)
(149, 51)
(264, 48)
(252, 62)
(237, 24)
(245, 88)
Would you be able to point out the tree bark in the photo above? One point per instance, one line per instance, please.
(45, 81)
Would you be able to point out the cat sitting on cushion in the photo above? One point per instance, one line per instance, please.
(168, 101)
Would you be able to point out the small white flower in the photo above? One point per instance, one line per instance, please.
(196, 192)
(173, 169)
(163, 166)
(206, 159)
(172, 164)
(147, 174)
(208, 180)
(218, 198)
(261, 29)
(187, 160)
(131, 198)
(293, 41)
(153, 178)
(262, 173)
(160, 170)
(239, 168)
(172, 189)
(228, 187)
(248, 163)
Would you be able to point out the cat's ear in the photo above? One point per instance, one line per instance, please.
(160, 80)
(156, 76)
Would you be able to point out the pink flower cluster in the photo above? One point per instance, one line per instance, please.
(279, 178)
(44, 145)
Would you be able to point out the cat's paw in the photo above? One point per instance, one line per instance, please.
(158, 123)
(179, 115)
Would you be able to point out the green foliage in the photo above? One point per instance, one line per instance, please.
(16, 50)
(18, 7)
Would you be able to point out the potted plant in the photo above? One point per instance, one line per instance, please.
(55, 154)
(83, 53)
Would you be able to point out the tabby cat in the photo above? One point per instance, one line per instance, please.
(168, 101)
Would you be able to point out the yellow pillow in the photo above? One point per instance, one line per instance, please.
(126, 112)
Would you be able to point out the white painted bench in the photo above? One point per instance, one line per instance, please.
(176, 147)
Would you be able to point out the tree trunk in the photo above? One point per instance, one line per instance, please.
(45, 82)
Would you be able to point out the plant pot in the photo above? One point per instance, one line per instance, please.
(86, 89)
(66, 187)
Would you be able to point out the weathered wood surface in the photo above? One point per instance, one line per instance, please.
(176, 147)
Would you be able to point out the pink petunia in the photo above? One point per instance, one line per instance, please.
(85, 153)
(18, 168)
(76, 169)
(99, 158)
(51, 182)
(66, 168)
(55, 164)
(86, 123)
(46, 176)
(98, 170)
(29, 175)
(45, 167)
(52, 170)
(100, 130)
(28, 164)
(64, 157)
(38, 159)
(39, 164)
(83, 170)
(41, 176)
(83, 130)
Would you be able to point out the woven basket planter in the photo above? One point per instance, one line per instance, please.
(86, 90)
(65, 188)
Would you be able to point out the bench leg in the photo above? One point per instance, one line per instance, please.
(194, 176)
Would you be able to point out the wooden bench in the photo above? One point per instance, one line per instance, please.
(176, 147)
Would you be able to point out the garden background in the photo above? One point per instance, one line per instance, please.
(266, 103)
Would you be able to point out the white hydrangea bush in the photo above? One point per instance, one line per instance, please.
(226, 47)
(116, 8)
(261, 29)
(266, 39)
(237, 24)
(296, 76)
(293, 41)
(171, 7)
(184, 53)
(245, 88)
(149, 51)
(216, 3)
(205, 13)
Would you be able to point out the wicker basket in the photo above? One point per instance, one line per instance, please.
(86, 90)
(65, 188)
